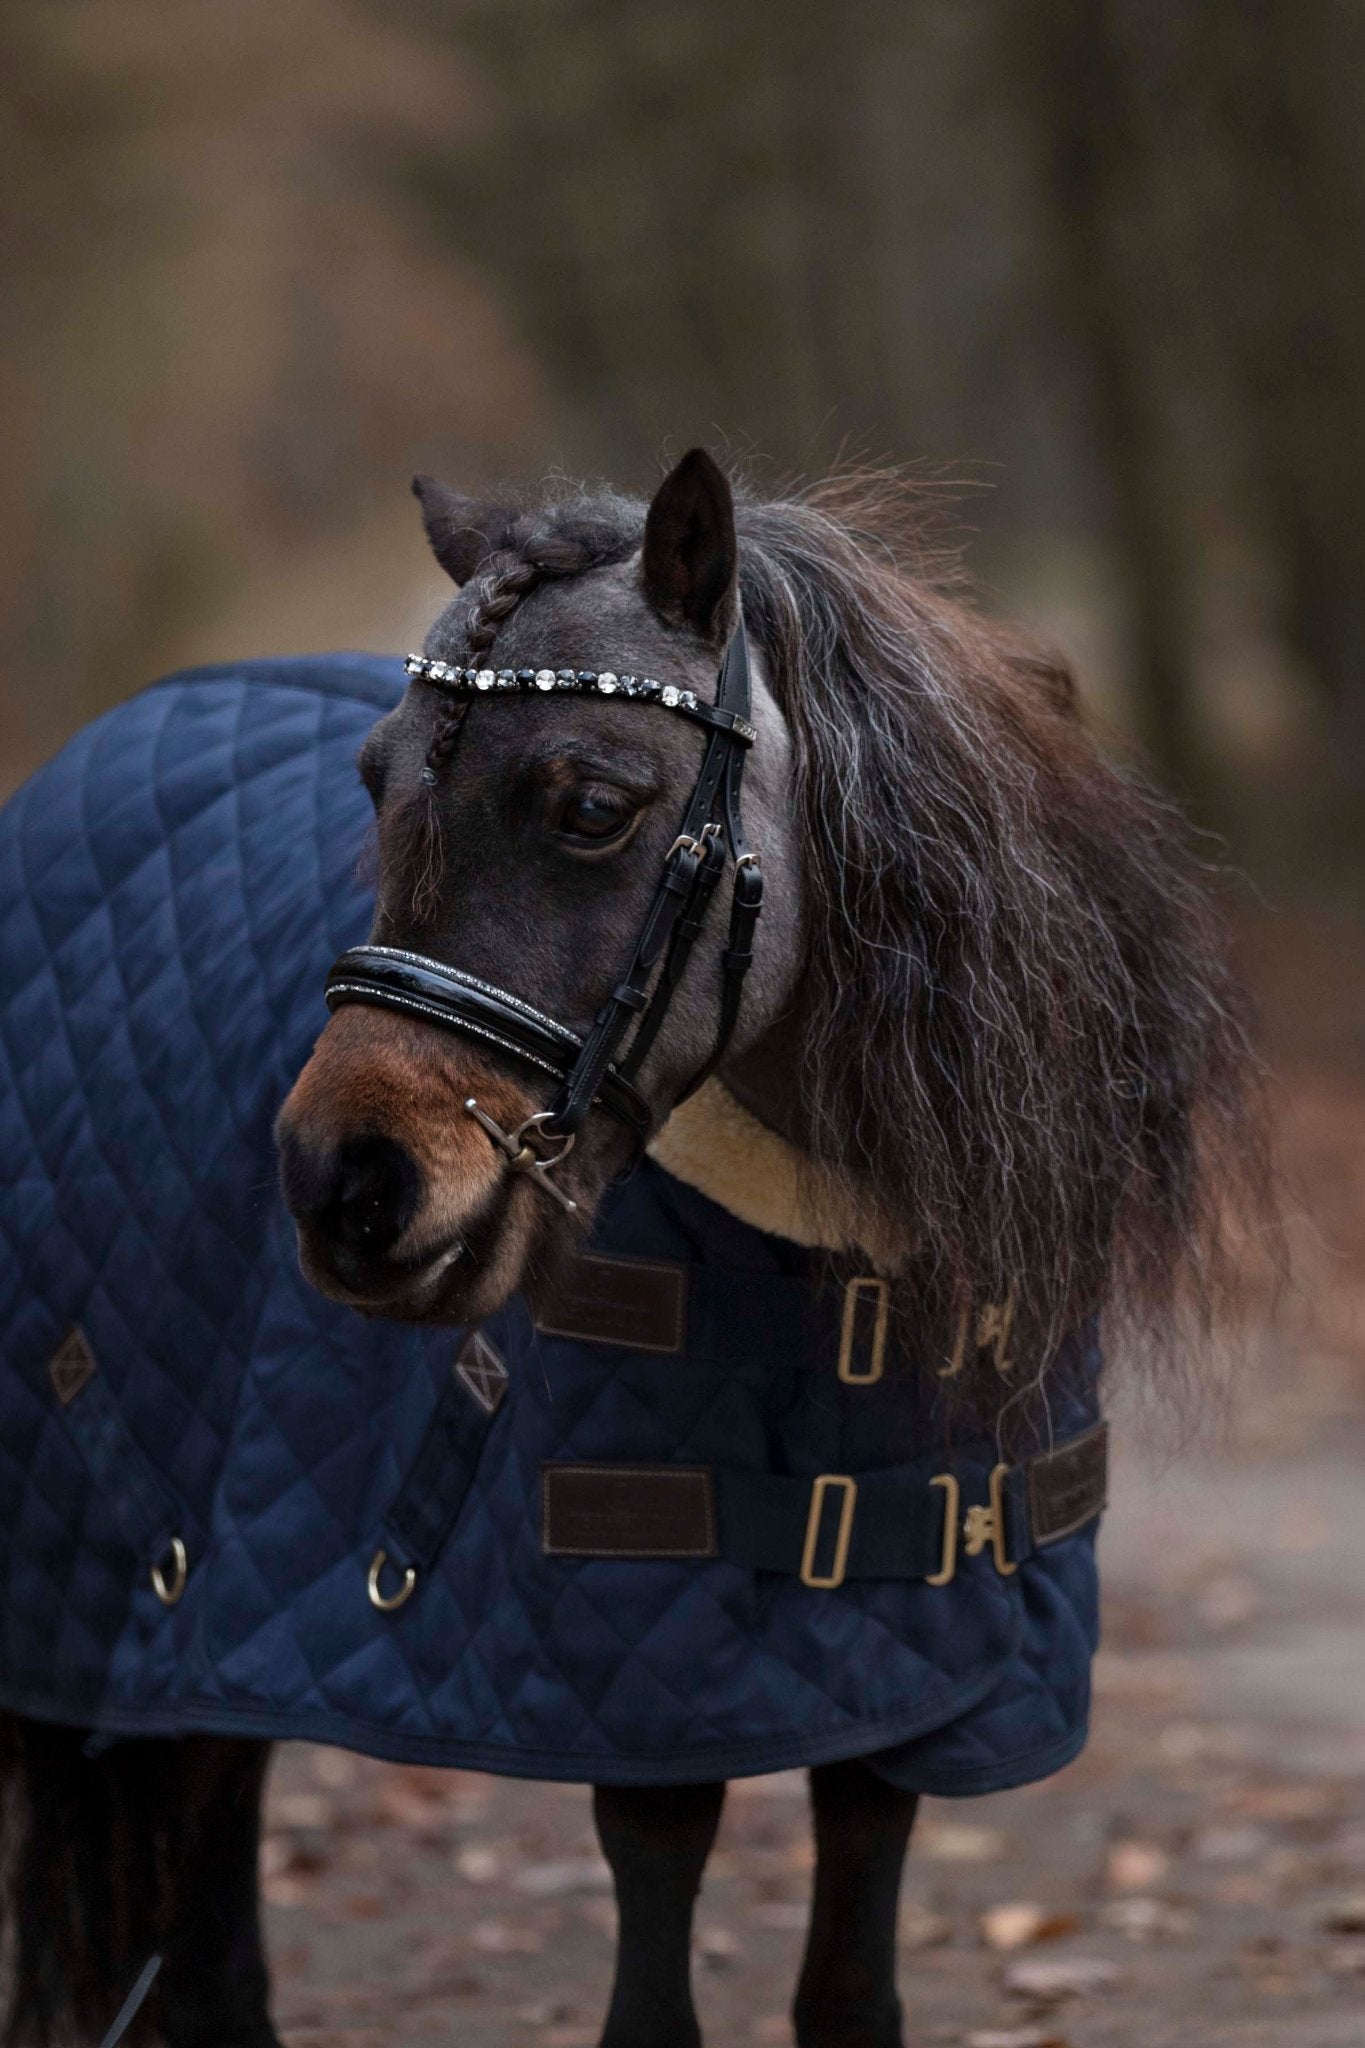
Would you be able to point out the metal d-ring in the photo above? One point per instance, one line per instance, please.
(168, 1591)
(388, 1602)
(521, 1155)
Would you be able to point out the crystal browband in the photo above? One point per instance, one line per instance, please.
(442, 675)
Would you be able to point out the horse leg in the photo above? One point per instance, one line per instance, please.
(214, 1985)
(656, 1839)
(846, 1997)
(81, 1878)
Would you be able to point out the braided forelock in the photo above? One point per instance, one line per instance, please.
(548, 545)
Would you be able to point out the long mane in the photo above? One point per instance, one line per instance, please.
(1020, 1033)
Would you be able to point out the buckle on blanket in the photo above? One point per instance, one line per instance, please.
(866, 1368)
(987, 1525)
(827, 1581)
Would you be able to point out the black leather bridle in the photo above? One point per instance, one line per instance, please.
(593, 1071)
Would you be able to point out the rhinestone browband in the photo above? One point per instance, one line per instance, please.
(442, 675)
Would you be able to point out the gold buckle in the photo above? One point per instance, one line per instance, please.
(987, 1525)
(835, 1577)
(853, 1295)
(947, 1570)
(993, 1326)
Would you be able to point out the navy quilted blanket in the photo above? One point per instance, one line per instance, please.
(172, 889)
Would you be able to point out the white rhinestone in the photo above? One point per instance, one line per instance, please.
(485, 679)
(607, 683)
(545, 679)
(670, 694)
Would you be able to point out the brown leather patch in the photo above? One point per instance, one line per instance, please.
(71, 1365)
(1068, 1488)
(481, 1372)
(627, 1511)
(638, 1304)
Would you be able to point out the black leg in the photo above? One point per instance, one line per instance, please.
(847, 1994)
(214, 1987)
(656, 1839)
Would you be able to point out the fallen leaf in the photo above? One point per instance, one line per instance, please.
(1021, 1922)
(544, 2012)
(785, 1915)
(947, 1841)
(1146, 1919)
(920, 1928)
(1050, 1979)
(573, 1874)
(1133, 1866)
(1347, 1916)
(1014, 2037)
(1240, 1844)
(478, 1863)
(505, 1938)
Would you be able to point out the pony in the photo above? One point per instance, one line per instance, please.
(990, 1056)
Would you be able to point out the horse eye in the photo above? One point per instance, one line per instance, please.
(591, 812)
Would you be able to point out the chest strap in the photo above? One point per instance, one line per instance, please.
(895, 1523)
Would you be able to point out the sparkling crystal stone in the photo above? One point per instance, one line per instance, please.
(648, 687)
(507, 678)
(688, 700)
(587, 676)
(566, 680)
(545, 679)
(468, 675)
(607, 683)
(525, 676)
(485, 679)
(670, 694)
(414, 664)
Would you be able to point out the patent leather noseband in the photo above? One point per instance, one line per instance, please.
(598, 1070)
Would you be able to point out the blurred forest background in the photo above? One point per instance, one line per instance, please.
(1097, 263)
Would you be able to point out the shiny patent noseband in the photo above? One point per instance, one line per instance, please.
(592, 1071)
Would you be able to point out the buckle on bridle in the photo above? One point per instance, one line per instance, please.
(521, 1155)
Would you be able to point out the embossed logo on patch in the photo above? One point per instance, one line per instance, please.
(71, 1365)
(607, 1510)
(481, 1372)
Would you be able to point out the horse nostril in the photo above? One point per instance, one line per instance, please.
(362, 1196)
(375, 1197)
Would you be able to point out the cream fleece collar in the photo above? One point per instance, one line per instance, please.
(714, 1144)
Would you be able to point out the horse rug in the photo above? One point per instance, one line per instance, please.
(691, 1526)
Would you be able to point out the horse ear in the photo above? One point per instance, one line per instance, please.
(688, 565)
(463, 531)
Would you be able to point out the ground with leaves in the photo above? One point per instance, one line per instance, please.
(1197, 1877)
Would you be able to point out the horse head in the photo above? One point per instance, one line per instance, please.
(543, 832)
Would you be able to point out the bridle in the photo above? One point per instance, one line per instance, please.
(593, 1071)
